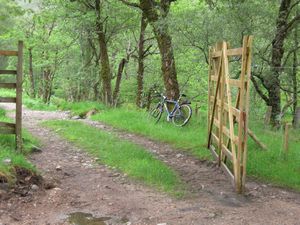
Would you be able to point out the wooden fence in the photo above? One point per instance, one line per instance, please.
(14, 128)
(228, 91)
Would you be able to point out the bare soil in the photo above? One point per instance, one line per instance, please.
(75, 182)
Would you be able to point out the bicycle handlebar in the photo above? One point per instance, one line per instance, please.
(164, 97)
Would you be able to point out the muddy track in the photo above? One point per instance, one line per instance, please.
(82, 185)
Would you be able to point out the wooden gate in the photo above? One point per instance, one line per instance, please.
(14, 128)
(228, 101)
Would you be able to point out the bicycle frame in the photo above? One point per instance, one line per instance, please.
(176, 106)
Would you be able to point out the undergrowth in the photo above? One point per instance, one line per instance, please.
(10, 160)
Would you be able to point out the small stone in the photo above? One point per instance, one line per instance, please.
(58, 168)
(76, 118)
(34, 187)
(211, 216)
(179, 155)
(49, 185)
(36, 149)
(110, 204)
(7, 161)
(115, 175)
(162, 224)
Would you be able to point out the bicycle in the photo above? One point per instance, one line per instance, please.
(180, 114)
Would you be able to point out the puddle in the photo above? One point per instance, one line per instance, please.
(80, 218)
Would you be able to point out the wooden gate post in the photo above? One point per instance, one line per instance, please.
(14, 128)
(19, 97)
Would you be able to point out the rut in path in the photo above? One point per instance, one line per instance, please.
(82, 185)
(200, 176)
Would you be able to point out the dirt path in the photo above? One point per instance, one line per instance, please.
(85, 186)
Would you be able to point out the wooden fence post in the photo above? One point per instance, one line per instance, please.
(286, 139)
(19, 97)
(268, 115)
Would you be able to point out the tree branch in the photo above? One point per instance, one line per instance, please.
(286, 106)
(262, 80)
(291, 24)
(295, 4)
(147, 50)
(288, 91)
(130, 4)
(289, 53)
(259, 91)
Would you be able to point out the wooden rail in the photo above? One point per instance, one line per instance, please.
(14, 128)
(8, 72)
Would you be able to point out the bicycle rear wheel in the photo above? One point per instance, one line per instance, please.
(156, 112)
(182, 115)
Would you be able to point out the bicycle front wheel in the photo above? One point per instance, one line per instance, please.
(156, 112)
(182, 115)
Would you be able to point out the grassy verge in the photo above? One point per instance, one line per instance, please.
(270, 166)
(123, 155)
(10, 160)
(273, 165)
(80, 108)
(191, 137)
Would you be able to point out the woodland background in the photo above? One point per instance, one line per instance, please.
(117, 51)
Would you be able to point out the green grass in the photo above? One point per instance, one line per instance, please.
(38, 104)
(76, 108)
(7, 151)
(269, 166)
(80, 108)
(190, 138)
(123, 155)
(34, 104)
(273, 165)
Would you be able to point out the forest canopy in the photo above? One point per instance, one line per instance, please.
(118, 51)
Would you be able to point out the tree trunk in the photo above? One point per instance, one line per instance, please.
(296, 118)
(31, 78)
(105, 73)
(96, 91)
(118, 81)
(141, 66)
(168, 64)
(164, 40)
(46, 85)
(273, 82)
